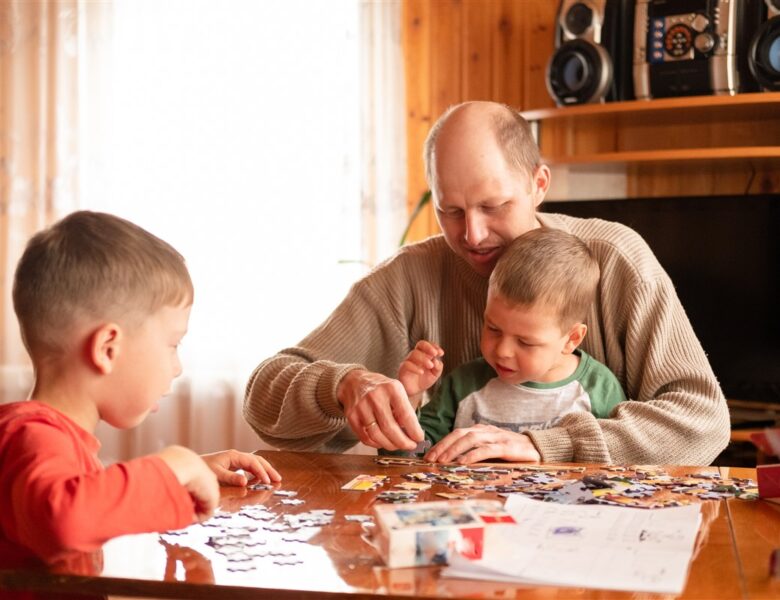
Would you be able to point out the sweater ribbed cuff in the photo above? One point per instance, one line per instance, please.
(328, 385)
(554, 445)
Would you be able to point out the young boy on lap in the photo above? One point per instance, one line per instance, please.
(102, 306)
(531, 372)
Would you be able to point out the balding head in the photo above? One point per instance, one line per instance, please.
(509, 129)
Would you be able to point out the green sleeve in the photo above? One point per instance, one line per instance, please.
(603, 388)
(438, 416)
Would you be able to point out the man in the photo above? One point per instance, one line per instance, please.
(337, 386)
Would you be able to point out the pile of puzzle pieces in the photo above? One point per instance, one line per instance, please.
(255, 533)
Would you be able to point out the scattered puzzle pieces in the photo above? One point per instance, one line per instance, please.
(257, 535)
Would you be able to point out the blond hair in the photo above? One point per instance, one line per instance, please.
(94, 266)
(552, 267)
(513, 134)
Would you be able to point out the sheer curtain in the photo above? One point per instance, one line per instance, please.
(383, 149)
(39, 121)
(261, 139)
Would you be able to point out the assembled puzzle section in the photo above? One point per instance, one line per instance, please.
(428, 533)
(637, 486)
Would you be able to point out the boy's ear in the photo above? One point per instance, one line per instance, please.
(576, 335)
(104, 347)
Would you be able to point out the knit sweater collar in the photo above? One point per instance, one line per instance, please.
(466, 273)
(552, 221)
(474, 279)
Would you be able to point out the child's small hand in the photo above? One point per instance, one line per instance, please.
(225, 463)
(421, 368)
(196, 476)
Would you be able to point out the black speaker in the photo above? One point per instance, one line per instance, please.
(764, 51)
(693, 47)
(592, 58)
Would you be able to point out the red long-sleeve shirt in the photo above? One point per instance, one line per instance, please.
(56, 496)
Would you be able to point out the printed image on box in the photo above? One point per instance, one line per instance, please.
(432, 547)
(436, 516)
(488, 514)
(429, 533)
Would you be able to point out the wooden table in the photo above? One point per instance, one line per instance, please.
(731, 560)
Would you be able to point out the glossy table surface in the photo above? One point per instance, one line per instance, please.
(731, 559)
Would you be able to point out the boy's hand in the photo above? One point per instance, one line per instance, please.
(421, 368)
(194, 474)
(225, 463)
(483, 442)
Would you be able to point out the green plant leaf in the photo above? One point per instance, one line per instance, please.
(424, 199)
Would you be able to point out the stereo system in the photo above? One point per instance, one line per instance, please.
(588, 64)
(764, 52)
(609, 50)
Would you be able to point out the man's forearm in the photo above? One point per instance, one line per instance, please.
(291, 403)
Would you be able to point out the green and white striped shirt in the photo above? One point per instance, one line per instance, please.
(474, 394)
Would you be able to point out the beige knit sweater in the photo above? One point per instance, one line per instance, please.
(676, 414)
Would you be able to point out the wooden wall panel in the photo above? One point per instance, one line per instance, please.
(508, 52)
(476, 50)
(417, 57)
(539, 40)
(712, 178)
(457, 50)
(446, 54)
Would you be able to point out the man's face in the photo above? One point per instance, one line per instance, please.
(481, 203)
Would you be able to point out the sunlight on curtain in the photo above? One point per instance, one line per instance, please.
(263, 139)
(383, 132)
(38, 148)
(232, 130)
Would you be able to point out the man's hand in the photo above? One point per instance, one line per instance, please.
(194, 474)
(483, 442)
(421, 368)
(378, 411)
(225, 463)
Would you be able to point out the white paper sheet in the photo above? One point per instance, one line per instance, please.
(591, 546)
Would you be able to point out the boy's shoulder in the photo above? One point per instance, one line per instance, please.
(25, 408)
(590, 368)
(478, 367)
(600, 382)
(16, 414)
(469, 377)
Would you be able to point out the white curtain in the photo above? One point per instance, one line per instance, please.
(39, 144)
(383, 151)
(248, 135)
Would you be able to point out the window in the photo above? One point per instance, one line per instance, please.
(233, 131)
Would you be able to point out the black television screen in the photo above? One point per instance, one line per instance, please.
(723, 255)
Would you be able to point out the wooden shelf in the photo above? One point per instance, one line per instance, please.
(755, 105)
(669, 146)
(763, 154)
(699, 128)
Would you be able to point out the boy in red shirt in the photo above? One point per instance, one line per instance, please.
(102, 306)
